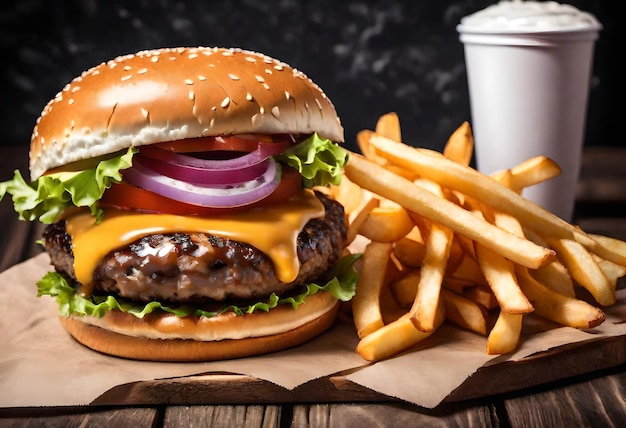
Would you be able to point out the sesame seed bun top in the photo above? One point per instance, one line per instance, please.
(176, 93)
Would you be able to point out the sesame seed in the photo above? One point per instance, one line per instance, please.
(261, 110)
(250, 59)
(248, 96)
(287, 95)
(127, 68)
(145, 113)
(125, 78)
(233, 76)
(192, 95)
(319, 105)
(154, 59)
(259, 79)
(276, 112)
(268, 71)
(142, 71)
(266, 86)
(201, 78)
(278, 67)
(225, 102)
(188, 82)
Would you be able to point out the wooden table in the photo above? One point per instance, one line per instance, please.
(592, 399)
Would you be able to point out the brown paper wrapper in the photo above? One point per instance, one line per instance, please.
(41, 365)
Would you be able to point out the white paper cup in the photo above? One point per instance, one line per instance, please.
(528, 96)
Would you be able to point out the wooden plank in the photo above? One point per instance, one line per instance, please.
(595, 402)
(389, 414)
(222, 416)
(544, 368)
(69, 417)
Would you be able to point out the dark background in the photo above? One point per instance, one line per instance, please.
(370, 57)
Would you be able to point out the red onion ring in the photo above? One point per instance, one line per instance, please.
(262, 152)
(222, 196)
(196, 175)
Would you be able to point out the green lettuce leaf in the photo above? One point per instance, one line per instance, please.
(342, 286)
(319, 161)
(50, 195)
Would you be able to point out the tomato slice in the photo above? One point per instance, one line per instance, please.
(127, 196)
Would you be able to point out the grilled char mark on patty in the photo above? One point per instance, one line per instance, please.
(199, 268)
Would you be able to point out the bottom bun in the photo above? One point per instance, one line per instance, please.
(204, 339)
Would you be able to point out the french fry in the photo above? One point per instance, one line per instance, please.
(457, 255)
(481, 187)
(359, 216)
(500, 275)
(464, 246)
(363, 142)
(409, 250)
(404, 288)
(388, 222)
(423, 310)
(481, 295)
(530, 172)
(556, 277)
(433, 269)
(390, 308)
(422, 224)
(389, 125)
(583, 269)
(444, 241)
(553, 275)
(366, 301)
(469, 270)
(382, 182)
(567, 311)
(499, 271)
(460, 146)
(613, 272)
(347, 194)
(394, 338)
(464, 312)
(609, 242)
(505, 334)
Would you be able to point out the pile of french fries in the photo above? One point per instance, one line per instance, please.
(444, 242)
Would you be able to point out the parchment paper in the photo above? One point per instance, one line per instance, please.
(41, 365)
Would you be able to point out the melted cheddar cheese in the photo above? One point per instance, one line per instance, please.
(273, 230)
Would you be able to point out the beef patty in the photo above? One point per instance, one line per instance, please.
(199, 268)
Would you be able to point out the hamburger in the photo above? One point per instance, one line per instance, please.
(180, 188)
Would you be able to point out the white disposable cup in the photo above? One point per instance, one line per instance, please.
(528, 97)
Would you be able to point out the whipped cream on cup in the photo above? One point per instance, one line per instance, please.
(529, 16)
